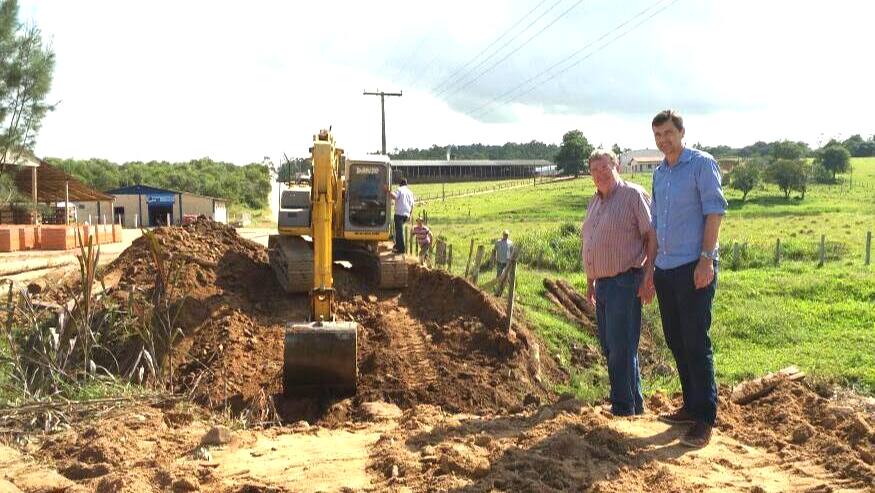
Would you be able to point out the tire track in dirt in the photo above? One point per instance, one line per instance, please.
(413, 344)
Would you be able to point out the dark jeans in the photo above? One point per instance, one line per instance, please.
(499, 268)
(618, 314)
(399, 232)
(686, 319)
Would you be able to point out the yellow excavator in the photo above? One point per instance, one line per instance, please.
(344, 214)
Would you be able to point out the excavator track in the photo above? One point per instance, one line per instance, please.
(291, 258)
(391, 271)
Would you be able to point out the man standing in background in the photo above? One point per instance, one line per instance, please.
(404, 199)
(618, 249)
(688, 205)
(503, 251)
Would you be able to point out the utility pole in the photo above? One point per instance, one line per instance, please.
(382, 109)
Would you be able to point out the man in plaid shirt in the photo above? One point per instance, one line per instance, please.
(423, 238)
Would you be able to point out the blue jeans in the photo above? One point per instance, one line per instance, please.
(399, 232)
(618, 315)
(686, 320)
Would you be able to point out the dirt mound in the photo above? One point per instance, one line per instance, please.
(802, 426)
(440, 341)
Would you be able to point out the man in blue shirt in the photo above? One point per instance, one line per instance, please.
(688, 205)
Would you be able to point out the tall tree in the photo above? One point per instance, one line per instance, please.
(834, 158)
(617, 150)
(786, 149)
(745, 177)
(26, 68)
(573, 153)
(789, 175)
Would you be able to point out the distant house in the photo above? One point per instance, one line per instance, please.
(727, 164)
(642, 160)
(142, 205)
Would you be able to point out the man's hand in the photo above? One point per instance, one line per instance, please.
(704, 273)
(590, 291)
(646, 290)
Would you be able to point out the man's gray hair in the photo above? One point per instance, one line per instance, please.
(597, 154)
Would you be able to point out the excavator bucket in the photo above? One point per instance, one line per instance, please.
(320, 358)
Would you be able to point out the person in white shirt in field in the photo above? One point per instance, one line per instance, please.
(404, 200)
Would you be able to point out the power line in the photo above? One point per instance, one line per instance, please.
(518, 48)
(478, 111)
(496, 40)
(572, 55)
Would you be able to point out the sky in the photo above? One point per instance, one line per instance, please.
(240, 81)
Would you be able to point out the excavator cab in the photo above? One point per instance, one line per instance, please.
(367, 203)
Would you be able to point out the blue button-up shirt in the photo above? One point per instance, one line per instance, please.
(683, 195)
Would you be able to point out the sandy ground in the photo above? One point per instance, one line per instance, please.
(562, 447)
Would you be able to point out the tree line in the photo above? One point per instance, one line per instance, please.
(247, 185)
(790, 172)
(856, 145)
(510, 150)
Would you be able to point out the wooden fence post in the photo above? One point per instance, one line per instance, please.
(778, 252)
(822, 250)
(541, 260)
(476, 273)
(868, 246)
(470, 253)
(450, 259)
(735, 255)
(502, 277)
(511, 291)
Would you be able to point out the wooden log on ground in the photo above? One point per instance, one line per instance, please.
(560, 298)
(576, 297)
(751, 390)
(563, 298)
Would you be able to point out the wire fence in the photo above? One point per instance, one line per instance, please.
(494, 187)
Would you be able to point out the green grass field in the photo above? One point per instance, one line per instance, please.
(433, 191)
(765, 317)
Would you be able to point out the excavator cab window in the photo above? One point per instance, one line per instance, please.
(367, 197)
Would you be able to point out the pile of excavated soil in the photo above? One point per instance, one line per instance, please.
(567, 446)
(558, 446)
(440, 341)
(799, 425)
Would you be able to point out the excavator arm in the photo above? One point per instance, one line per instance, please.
(326, 163)
(320, 355)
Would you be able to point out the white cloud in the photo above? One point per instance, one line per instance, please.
(181, 80)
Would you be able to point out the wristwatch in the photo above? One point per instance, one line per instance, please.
(709, 254)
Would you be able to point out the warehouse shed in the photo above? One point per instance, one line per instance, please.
(437, 170)
(143, 205)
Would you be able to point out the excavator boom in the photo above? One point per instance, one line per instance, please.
(320, 355)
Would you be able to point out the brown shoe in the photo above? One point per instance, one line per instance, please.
(698, 435)
(679, 417)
